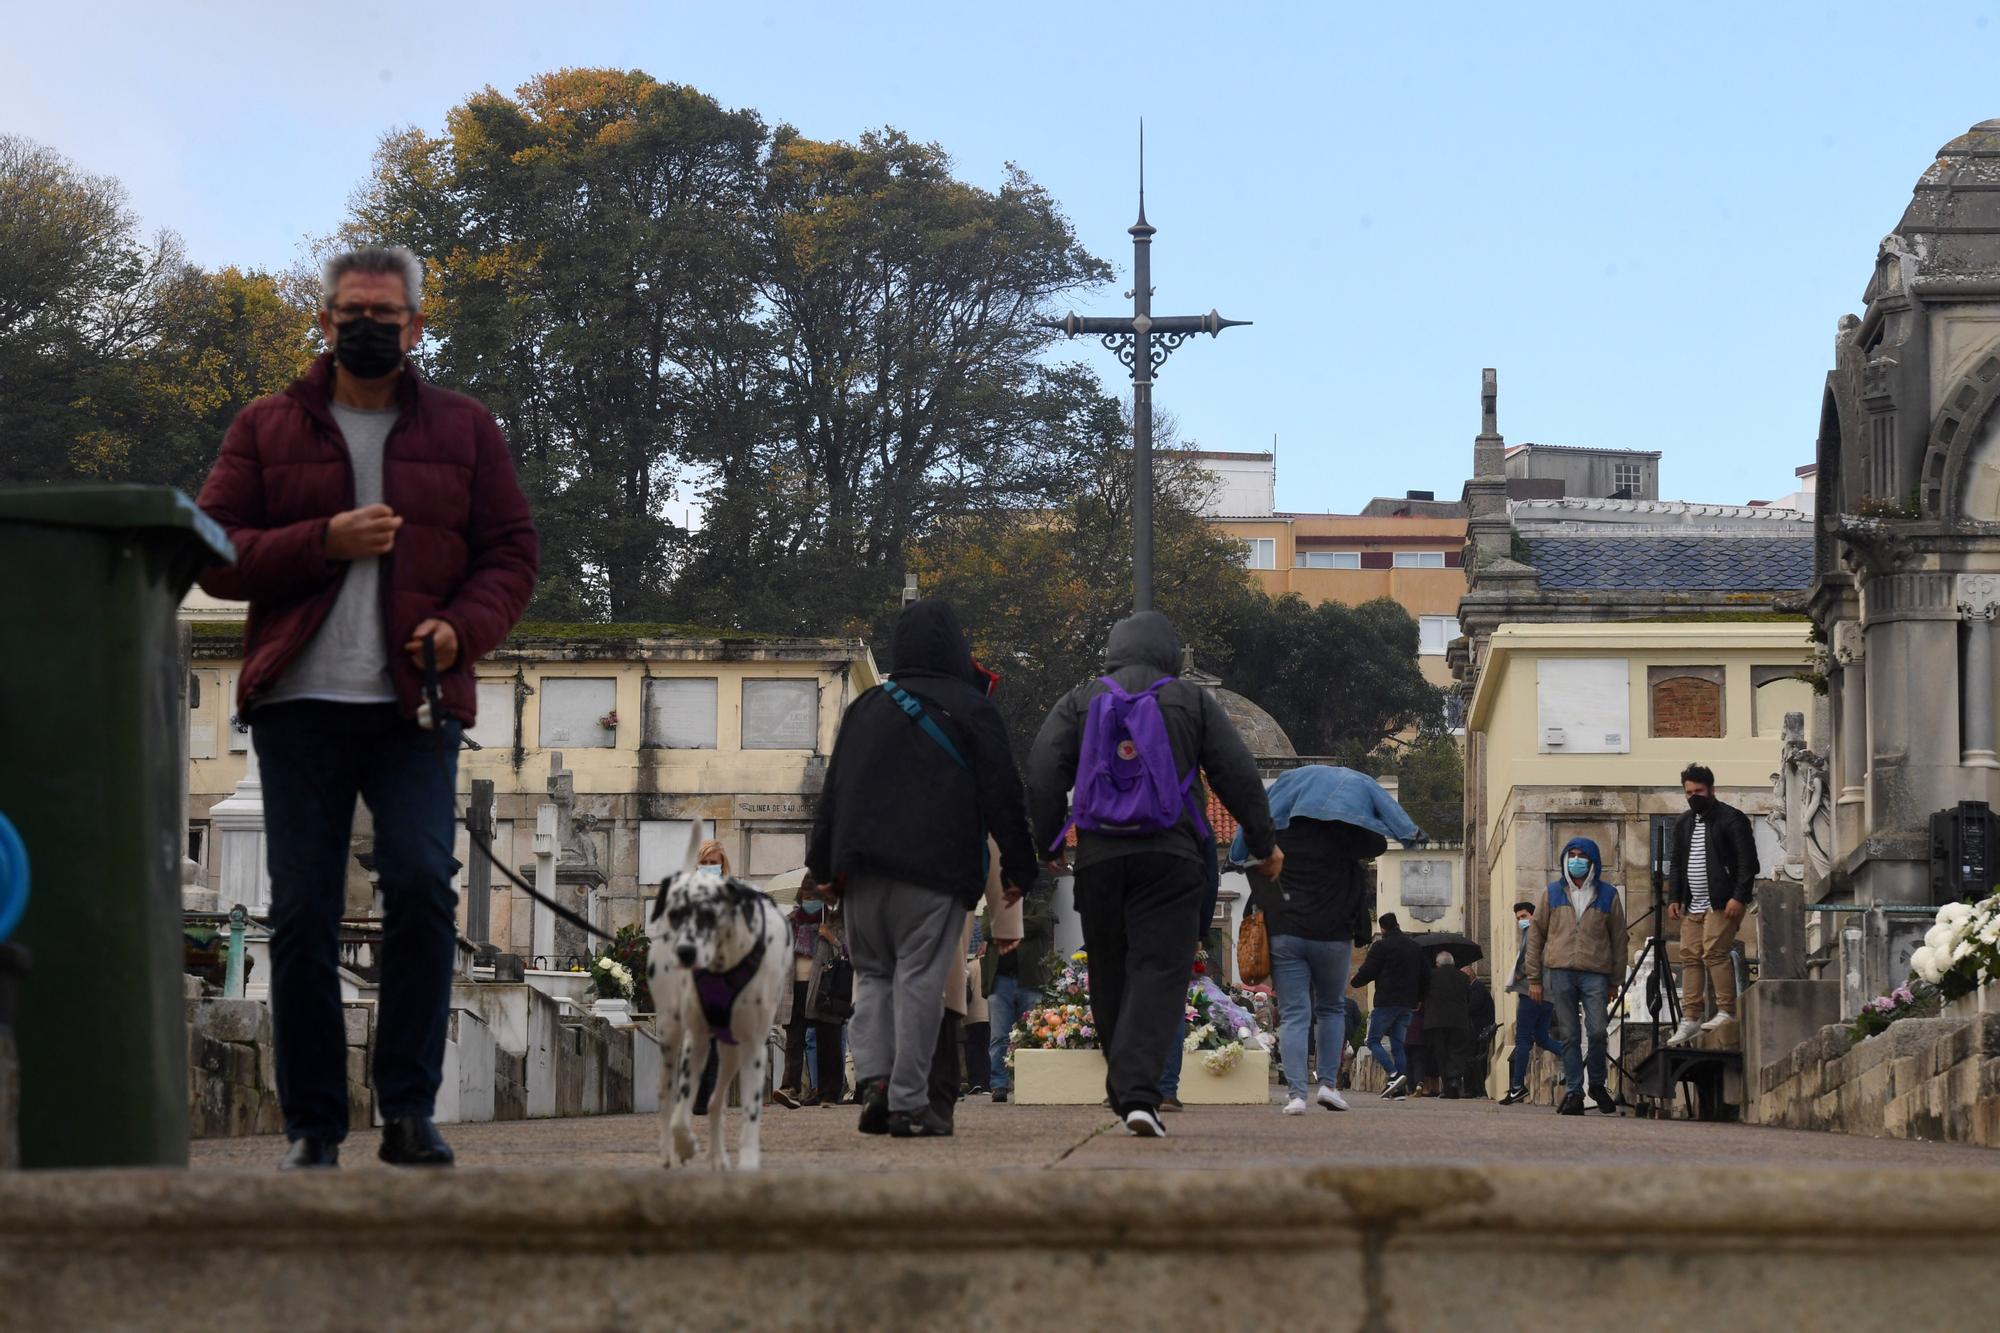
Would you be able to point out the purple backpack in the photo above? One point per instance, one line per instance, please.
(1126, 785)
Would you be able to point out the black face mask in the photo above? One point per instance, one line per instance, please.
(1701, 804)
(368, 349)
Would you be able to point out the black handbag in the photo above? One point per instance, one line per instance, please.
(830, 995)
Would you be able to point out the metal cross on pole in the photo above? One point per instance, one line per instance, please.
(1143, 343)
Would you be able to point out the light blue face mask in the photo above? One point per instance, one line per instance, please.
(812, 907)
(1578, 867)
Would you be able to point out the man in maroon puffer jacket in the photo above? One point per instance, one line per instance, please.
(370, 511)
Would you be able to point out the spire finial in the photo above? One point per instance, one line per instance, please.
(1142, 169)
(1142, 229)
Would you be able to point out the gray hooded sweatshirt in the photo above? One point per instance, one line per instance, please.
(1143, 648)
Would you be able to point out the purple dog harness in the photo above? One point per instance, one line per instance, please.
(719, 991)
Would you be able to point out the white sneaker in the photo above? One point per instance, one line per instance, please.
(1721, 1016)
(1687, 1031)
(1331, 1099)
(1143, 1124)
(1589, 1102)
(1296, 1106)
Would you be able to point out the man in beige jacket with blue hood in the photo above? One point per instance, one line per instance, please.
(1575, 952)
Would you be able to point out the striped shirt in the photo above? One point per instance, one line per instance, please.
(1697, 870)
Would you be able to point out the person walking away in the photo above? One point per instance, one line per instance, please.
(1313, 916)
(1715, 862)
(1576, 945)
(1532, 1018)
(1395, 968)
(372, 513)
(1478, 1056)
(815, 947)
(1014, 977)
(1133, 744)
(1447, 1022)
(920, 776)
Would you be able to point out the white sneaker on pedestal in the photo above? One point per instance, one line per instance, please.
(1687, 1031)
(1721, 1016)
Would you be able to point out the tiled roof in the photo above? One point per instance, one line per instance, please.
(1764, 562)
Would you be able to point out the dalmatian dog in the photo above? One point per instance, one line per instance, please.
(720, 961)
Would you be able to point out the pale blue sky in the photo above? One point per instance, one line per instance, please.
(1649, 219)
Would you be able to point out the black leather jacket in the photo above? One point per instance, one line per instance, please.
(1732, 856)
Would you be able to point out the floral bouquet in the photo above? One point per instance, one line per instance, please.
(1218, 1027)
(1068, 978)
(1055, 1027)
(611, 979)
(1962, 950)
(1916, 999)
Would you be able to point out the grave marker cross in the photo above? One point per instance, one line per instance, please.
(1143, 343)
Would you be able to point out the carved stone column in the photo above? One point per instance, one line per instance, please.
(1978, 600)
(1852, 751)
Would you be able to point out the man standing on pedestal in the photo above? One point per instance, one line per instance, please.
(1715, 872)
(371, 512)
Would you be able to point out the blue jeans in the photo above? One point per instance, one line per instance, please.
(1569, 993)
(316, 759)
(1392, 1020)
(1004, 1008)
(1531, 1029)
(1310, 977)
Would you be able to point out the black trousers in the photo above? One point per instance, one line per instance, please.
(1446, 1048)
(1141, 924)
(979, 1054)
(829, 1070)
(944, 1066)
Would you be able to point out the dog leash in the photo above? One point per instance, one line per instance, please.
(430, 716)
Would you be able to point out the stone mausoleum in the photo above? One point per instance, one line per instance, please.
(1907, 549)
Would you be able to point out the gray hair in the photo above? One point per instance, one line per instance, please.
(376, 259)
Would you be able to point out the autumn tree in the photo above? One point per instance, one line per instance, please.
(592, 280)
(119, 360)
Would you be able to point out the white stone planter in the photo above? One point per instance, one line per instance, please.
(1076, 1078)
(618, 1013)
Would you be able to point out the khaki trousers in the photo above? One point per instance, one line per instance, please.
(1705, 941)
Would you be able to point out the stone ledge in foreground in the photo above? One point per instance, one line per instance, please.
(1401, 1248)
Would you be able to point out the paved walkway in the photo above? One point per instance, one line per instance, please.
(1002, 1138)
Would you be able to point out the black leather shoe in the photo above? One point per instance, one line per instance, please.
(1571, 1105)
(412, 1140)
(874, 1106)
(999, 1096)
(1605, 1101)
(311, 1155)
(924, 1124)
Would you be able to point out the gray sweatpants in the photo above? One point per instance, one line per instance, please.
(900, 938)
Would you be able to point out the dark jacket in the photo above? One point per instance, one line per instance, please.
(895, 803)
(466, 553)
(1397, 969)
(1142, 648)
(1323, 893)
(1732, 856)
(1447, 999)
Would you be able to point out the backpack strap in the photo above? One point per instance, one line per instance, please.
(906, 701)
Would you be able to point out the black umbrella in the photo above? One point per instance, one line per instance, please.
(1464, 953)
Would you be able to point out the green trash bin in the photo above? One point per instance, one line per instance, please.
(96, 753)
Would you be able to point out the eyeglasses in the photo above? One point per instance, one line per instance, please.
(385, 314)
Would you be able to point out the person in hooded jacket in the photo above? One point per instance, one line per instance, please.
(920, 777)
(1141, 895)
(1576, 948)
